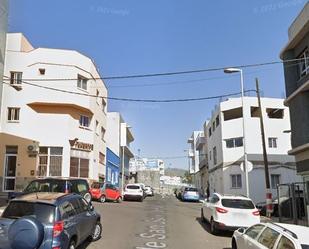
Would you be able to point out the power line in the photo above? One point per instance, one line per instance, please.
(175, 73)
(131, 99)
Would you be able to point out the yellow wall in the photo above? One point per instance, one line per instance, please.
(24, 163)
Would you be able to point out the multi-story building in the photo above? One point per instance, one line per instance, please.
(3, 28)
(193, 155)
(201, 146)
(118, 139)
(49, 132)
(296, 70)
(224, 133)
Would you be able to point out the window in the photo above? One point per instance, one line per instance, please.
(101, 158)
(285, 243)
(234, 142)
(275, 180)
(274, 113)
(272, 142)
(303, 63)
(254, 231)
(217, 121)
(82, 82)
(213, 126)
(50, 161)
(255, 112)
(215, 155)
(209, 132)
(84, 121)
(237, 203)
(79, 167)
(66, 210)
(13, 114)
(98, 97)
(103, 105)
(16, 78)
(232, 114)
(214, 199)
(236, 181)
(97, 127)
(268, 238)
(102, 133)
(42, 71)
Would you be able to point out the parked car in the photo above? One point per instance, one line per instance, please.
(271, 235)
(105, 192)
(48, 221)
(133, 192)
(60, 185)
(149, 191)
(228, 212)
(190, 194)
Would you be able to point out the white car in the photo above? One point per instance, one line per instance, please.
(271, 235)
(228, 212)
(149, 191)
(133, 192)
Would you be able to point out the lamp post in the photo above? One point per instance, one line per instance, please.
(238, 70)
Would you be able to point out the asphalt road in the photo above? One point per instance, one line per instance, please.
(155, 223)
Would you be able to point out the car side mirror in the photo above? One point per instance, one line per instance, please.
(241, 230)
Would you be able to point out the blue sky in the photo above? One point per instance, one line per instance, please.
(138, 37)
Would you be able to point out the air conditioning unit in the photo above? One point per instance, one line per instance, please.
(33, 149)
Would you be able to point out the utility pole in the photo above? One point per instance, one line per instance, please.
(268, 192)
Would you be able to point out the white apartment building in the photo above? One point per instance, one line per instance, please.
(193, 155)
(46, 132)
(224, 134)
(118, 138)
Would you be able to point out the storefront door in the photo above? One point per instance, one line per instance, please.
(10, 168)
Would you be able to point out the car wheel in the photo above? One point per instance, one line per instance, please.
(102, 199)
(87, 197)
(213, 229)
(234, 245)
(72, 245)
(119, 199)
(97, 232)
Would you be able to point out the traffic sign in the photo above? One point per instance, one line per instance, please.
(249, 166)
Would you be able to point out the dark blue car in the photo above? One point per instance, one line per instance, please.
(48, 221)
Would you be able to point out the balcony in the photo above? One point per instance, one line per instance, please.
(200, 141)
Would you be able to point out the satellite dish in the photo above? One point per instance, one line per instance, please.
(249, 166)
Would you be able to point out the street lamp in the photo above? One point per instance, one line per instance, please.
(239, 70)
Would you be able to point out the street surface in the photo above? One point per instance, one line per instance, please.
(155, 223)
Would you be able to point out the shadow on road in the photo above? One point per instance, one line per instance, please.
(84, 245)
(206, 227)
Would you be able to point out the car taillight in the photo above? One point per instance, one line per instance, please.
(221, 210)
(256, 213)
(57, 247)
(58, 228)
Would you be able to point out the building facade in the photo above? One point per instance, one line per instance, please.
(193, 156)
(297, 89)
(50, 132)
(224, 135)
(119, 138)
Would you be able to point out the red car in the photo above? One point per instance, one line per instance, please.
(105, 192)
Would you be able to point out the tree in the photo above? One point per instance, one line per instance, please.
(187, 178)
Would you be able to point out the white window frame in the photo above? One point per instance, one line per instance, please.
(81, 80)
(49, 155)
(14, 111)
(273, 142)
(15, 80)
(236, 181)
(234, 142)
(81, 121)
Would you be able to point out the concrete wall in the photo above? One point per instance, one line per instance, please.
(150, 178)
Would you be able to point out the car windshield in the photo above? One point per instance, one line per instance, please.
(43, 212)
(305, 246)
(237, 203)
(133, 187)
(45, 186)
(191, 189)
